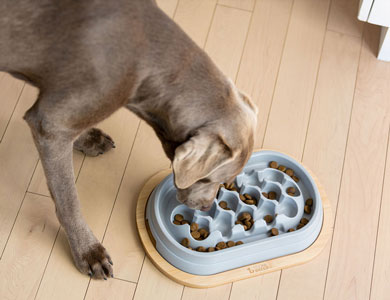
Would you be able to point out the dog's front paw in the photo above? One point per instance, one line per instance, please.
(95, 262)
(94, 142)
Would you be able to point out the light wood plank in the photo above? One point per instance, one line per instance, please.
(343, 17)
(154, 285)
(219, 292)
(28, 249)
(352, 254)
(194, 17)
(227, 37)
(112, 289)
(168, 6)
(97, 187)
(294, 89)
(261, 57)
(324, 149)
(38, 183)
(10, 90)
(250, 289)
(18, 158)
(381, 274)
(121, 237)
(242, 4)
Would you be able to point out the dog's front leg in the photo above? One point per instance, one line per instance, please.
(54, 141)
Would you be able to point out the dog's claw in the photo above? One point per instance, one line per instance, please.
(110, 261)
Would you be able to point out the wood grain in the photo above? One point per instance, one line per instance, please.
(325, 147)
(194, 17)
(227, 37)
(242, 4)
(114, 289)
(262, 55)
(18, 159)
(10, 90)
(168, 6)
(28, 249)
(363, 168)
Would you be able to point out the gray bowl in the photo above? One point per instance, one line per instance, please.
(258, 246)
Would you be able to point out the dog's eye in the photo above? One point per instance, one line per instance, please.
(204, 180)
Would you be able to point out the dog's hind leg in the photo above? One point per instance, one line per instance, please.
(93, 142)
(55, 123)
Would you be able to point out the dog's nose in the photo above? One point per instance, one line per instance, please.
(205, 208)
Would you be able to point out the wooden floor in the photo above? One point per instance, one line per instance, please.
(323, 98)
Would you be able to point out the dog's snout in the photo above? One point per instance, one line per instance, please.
(205, 208)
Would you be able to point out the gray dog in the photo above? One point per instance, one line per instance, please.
(89, 58)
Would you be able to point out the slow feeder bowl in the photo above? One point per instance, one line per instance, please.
(260, 253)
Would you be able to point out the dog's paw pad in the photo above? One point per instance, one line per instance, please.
(94, 142)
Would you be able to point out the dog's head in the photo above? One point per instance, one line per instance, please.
(215, 153)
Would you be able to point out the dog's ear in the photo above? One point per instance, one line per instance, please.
(198, 157)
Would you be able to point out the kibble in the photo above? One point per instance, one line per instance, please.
(273, 165)
(265, 194)
(176, 222)
(295, 178)
(274, 231)
(300, 225)
(268, 218)
(245, 216)
(221, 245)
(291, 191)
(272, 195)
(239, 243)
(201, 249)
(195, 235)
(309, 202)
(307, 209)
(230, 244)
(179, 217)
(185, 222)
(223, 204)
(210, 249)
(304, 221)
(194, 227)
(250, 202)
(185, 242)
(242, 197)
(247, 196)
(291, 230)
(203, 233)
(282, 168)
(290, 172)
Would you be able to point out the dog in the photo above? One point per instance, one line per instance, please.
(88, 59)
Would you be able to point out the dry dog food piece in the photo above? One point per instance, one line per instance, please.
(203, 233)
(291, 191)
(307, 209)
(230, 243)
(179, 217)
(242, 197)
(272, 195)
(229, 186)
(291, 230)
(245, 227)
(274, 231)
(273, 164)
(304, 221)
(295, 178)
(247, 196)
(290, 172)
(248, 225)
(300, 225)
(309, 202)
(221, 245)
(250, 202)
(210, 249)
(194, 227)
(268, 218)
(185, 222)
(176, 222)
(239, 243)
(195, 235)
(223, 204)
(201, 249)
(185, 242)
(265, 194)
(282, 168)
(237, 222)
(245, 216)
